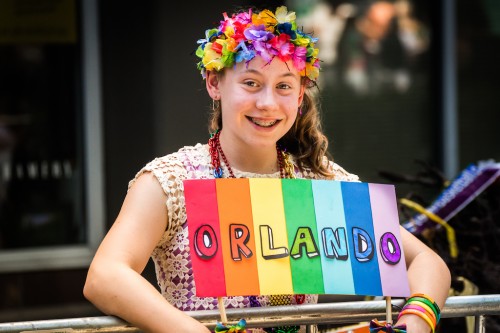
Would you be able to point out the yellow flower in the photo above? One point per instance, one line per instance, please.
(231, 44)
(211, 59)
(283, 16)
(311, 71)
(265, 17)
(302, 41)
(315, 53)
(229, 31)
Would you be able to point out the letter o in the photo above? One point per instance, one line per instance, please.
(390, 249)
(205, 242)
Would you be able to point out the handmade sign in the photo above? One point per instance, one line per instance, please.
(294, 236)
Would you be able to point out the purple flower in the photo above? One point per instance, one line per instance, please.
(258, 33)
(265, 50)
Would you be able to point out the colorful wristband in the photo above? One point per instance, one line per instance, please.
(421, 309)
(420, 314)
(428, 298)
(428, 301)
(426, 307)
(423, 296)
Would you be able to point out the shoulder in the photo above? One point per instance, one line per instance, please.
(173, 166)
(339, 173)
(179, 158)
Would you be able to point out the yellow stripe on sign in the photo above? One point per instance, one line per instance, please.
(273, 260)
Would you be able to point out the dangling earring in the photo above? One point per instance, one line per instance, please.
(300, 110)
(215, 105)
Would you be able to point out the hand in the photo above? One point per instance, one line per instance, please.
(414, 324)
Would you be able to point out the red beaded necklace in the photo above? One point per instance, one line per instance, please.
(216, 153)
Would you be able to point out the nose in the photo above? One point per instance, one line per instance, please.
(267, 100)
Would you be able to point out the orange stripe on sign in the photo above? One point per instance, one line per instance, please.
(236, 223)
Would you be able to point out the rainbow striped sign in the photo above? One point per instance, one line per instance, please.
(294, 236)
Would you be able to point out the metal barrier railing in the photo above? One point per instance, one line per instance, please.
(478, 306)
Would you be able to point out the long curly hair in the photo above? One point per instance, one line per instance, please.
(305, 140)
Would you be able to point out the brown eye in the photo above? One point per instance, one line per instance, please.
(283, 86)
(251, 83)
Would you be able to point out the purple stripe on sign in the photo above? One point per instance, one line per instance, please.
(391, 261)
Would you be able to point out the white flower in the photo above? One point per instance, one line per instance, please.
(176, 295)
(181, 239)
(283, 16)
(205, 303)
(178, 266)
(234, 302)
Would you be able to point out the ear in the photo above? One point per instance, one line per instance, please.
(212, 81)
(301, 94)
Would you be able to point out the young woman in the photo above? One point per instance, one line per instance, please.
(259, 71)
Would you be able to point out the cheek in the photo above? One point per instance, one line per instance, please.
(292, 110)
(291, 115)
(236, 101)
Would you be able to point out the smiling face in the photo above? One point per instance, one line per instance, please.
(259, 101)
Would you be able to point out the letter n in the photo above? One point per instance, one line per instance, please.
(335, 243)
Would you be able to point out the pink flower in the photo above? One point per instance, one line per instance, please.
(299, 58)
(284, 49)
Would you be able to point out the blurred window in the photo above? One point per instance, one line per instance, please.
(42, 167)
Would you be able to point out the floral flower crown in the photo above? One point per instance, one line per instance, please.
(267, 34)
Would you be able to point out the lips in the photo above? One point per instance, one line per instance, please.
(264, 122)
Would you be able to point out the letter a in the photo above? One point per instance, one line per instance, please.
(304, 240)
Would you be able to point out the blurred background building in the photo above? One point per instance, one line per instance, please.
(91, 90)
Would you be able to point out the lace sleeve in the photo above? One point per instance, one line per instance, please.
(341, 174)
(338, 172)
(170, 173)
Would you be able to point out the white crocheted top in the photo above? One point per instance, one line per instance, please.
(171, 255)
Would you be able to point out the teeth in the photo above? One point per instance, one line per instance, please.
(264, 123)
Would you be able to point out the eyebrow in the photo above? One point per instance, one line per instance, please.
(254, 71)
